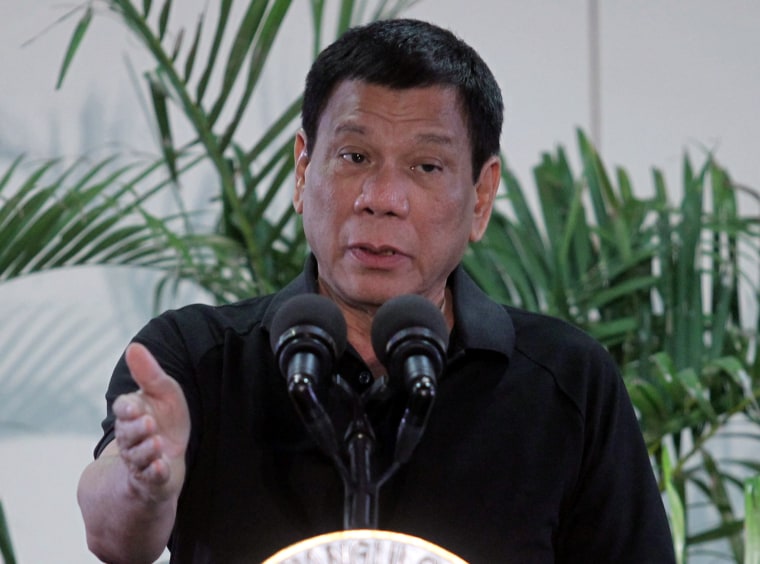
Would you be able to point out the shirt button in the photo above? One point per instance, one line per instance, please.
(365, 378)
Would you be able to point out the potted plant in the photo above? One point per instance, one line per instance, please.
(660, 285)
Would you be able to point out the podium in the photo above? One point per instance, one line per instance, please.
(364, 546)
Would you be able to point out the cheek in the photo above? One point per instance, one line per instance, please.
(320, 202)
(451, 214)
(320, 185)
(322, 209)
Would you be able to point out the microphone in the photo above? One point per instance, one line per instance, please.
(308, 335)
(410, 337)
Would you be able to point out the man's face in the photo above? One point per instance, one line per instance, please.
(386, 194)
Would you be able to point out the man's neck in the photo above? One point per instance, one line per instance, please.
(359, 326)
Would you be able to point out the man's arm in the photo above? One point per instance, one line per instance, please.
(617, 513)
(128, 496)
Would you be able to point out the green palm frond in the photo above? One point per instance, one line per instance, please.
(100, 217)
(81, 215)
(659, 284)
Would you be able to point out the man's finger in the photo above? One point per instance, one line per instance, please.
(146, 371)
(132, 431)
(143, 454)
(129, 406)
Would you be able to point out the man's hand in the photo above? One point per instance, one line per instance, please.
(152, 428)
(129, 494)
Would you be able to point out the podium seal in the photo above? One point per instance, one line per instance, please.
(364, 546)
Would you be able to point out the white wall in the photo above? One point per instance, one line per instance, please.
(675, 76)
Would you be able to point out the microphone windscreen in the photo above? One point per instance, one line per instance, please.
(405, 312)
(310, 310)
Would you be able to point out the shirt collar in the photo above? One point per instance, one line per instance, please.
(480, 323)
(304, 283)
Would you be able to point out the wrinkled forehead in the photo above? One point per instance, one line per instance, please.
(349, 98)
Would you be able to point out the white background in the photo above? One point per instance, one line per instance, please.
(674, 76)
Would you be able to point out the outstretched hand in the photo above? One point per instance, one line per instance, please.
(152, 428)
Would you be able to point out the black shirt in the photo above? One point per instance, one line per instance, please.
(532, 453)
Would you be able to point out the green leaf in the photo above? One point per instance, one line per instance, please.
(76, 40)
(158, 96)
(163, 20)
(241, 43)
(345, 15)
(193, 52)
(258, 56)
(317, 16)
(614, 331)
(625, 287)
(752, 521)
(6, 546)
(719, 497)
(693, 386)
(676, 513)
(221, 27)
(52, 223)
(719, 532)
(275, 130)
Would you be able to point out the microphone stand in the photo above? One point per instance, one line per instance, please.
(313, 415)
(362, 492)
(361, 489)
(361, 507)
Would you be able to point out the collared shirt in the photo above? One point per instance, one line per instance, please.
(532, 453)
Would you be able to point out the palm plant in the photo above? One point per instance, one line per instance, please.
(239, 244)
(660, 286)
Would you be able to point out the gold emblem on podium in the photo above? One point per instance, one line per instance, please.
(364, 546)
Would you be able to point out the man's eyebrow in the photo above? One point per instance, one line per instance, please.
(350, 128)
(432, 138)
(435, 139)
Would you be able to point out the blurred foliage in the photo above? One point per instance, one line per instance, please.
(242, 241)
(752, 525)
(660, 284)
(6, 547)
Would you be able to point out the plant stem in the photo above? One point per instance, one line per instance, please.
(197, 118)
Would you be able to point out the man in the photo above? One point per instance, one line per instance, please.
(532, 452)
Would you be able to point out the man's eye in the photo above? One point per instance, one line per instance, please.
(427, 167)
(354, 157)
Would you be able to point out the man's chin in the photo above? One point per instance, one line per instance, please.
(368, 289)
(376, 295)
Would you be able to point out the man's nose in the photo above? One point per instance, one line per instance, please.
(385, 192)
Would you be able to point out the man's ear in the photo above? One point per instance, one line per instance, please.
(301, 157)
(485, 196)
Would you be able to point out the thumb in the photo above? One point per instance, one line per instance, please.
(146, 371)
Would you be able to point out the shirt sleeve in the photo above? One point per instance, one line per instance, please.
(165, 341)
(616, 513)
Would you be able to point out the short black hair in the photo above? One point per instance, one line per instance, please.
(408, 53)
